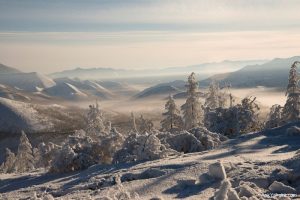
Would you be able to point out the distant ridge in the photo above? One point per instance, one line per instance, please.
(7, 70)
(271, 74)
(205, 69)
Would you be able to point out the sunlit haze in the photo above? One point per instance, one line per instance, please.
(48, 36)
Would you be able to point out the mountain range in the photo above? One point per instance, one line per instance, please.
(270, 74)
(204, 70)
(17, 85)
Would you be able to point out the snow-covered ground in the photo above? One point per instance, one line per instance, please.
(252, 163)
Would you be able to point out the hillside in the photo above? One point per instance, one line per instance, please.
(16, 116)
(65, 91)
(30, 82)
(8, 70)
(13, 94)
(252, 162)
(87, 87)
(118, 88)
(270, 74)
(155, 91)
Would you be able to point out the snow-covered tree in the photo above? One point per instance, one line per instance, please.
(95, 122)
(291, 109)
(192, 109)
(194, 140)
(141, 148)
(77, 152)
(274, 118)
(45, 153)
(133, 127)
(24, 158)
(248, 115)
(222, 120)
(172, 120)
(10, 159)
(215, 97)
(234, 120)
(146, 125)
(212, 97)
(80, 151)
(110, 145)
(108, 126)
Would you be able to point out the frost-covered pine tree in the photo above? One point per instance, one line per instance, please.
(212, 97)
(215, 97)
(24, 158)
(95, 122)
(133, 123)
(248, 112)
(192, 109)
(274, 117)
(291, 109)
(172, 120)
(146, 126)
(10, 159)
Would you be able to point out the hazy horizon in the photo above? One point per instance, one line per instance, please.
(50, 36)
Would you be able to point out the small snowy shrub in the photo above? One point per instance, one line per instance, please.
(80, 151)
(8, 165)
(232, 121)
(146, 125)
(274, 118)
(185, 142)
(141, 148)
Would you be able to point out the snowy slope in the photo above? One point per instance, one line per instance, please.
(164, 90)
(90, 88)
(13, 94)
(252, 163)
(30, 82)
(65, 91)
(16, 116)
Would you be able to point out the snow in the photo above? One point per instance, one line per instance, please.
(217, 170)
(248, 160)
(279, 187)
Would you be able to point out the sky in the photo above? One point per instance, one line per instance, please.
(49, 36)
